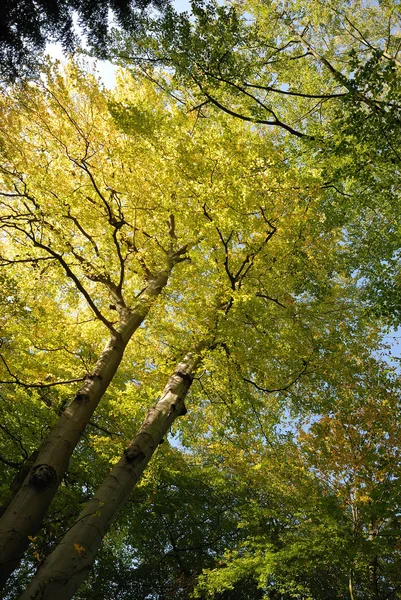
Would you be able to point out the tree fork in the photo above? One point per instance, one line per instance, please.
(68, 565)
(24, 515)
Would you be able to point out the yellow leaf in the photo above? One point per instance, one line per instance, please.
(80, 550)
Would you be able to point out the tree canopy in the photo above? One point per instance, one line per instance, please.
(198, 268)
(27, 26)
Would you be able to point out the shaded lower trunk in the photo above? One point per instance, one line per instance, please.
(374, 563)
(19, 479)
(70, 563)
(373, 579)
(350, 586)
(25, 513)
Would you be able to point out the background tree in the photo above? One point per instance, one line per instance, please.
(270, 63)
(27, 26)
(321, 511)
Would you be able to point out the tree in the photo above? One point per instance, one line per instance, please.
(355, 451)
(256, 245)
(272, 64)
(36, 223)
(66, 568)
(26, 27)
(68, 565)
(322, 511)
(190, 510)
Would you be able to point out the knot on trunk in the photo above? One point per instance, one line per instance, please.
(81, 397)
(180, 378)
(42, 476)
(134, 453)
(184, 376)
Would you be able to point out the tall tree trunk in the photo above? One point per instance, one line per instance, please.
(70, 563)
(374, 562)
(350, 586)
(373, 579)
(25, 513)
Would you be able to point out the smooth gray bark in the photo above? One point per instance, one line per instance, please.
(69, 564)
(24, 515)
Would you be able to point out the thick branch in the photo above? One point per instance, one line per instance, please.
(275, 123)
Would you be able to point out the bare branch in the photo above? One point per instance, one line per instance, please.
(275, 300)
(280, 389)
(10, 463)
(82, 230)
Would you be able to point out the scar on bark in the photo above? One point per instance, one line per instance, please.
(134, 453)
(42, 476)
(93, 376)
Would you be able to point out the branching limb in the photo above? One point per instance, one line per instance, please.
(77, 282)
(38, 243)
(41, 385)
(283, 388)
(275, 300)
(275, 123)
(10, 463)
(249, 259)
